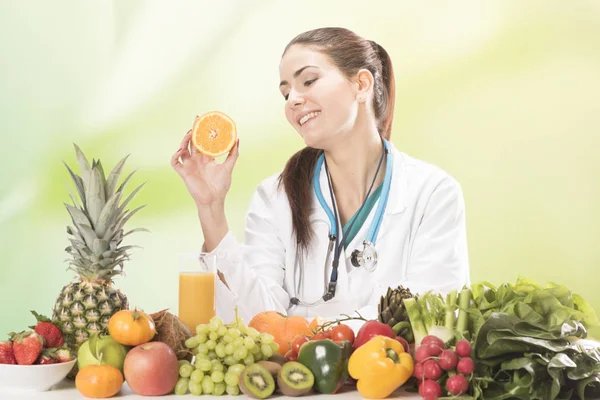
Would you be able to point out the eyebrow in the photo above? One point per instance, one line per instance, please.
(282, 83)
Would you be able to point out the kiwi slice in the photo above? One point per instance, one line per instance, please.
(270, 366)
(257, 382)
(294, 379)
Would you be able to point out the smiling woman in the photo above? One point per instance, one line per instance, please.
(386, 218)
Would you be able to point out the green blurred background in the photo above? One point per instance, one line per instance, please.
(504, 95)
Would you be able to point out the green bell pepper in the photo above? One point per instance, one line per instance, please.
(328, 361)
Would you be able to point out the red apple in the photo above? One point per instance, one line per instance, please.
(151, 369)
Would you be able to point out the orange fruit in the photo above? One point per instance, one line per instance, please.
(214, 133)
(316, 322)
(131, 327)
(283, 328)
(99, 381)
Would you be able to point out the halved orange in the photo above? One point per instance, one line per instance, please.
(316, 322)
(214, 133)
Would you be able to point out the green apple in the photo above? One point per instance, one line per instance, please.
(103, 350)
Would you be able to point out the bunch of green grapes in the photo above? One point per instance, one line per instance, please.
(221, 352)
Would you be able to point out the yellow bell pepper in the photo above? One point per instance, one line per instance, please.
(380, 366)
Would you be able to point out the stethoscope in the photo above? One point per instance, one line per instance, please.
(366, 258)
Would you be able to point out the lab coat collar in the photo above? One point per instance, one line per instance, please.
(398, 189)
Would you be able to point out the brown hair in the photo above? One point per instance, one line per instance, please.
(350, 53)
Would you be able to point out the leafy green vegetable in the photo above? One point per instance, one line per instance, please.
(547, 307)
(528, 339)
(528, 361)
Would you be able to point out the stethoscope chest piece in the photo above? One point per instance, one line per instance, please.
(366, 258)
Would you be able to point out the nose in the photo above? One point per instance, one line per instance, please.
(295, 99)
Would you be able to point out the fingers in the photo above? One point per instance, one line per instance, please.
(185, 143)
(233, 155)
(175, 163)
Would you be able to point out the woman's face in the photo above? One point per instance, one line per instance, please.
(320, 102)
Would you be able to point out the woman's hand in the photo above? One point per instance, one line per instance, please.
(207, 181)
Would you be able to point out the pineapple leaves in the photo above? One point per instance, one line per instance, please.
(136, 230)
(128, 199)
(124, 183)
(84, 165)
(95, 196)
(87, 232)
(99, 246)
(107, 214)
(96, 232)
(77, 215)
(78, 238)
(78, 184)
(121, 222)
(99, 167)
(106, 262)
(113, 178)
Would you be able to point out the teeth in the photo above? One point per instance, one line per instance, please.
(308, 116)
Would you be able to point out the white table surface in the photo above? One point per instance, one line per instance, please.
(66, 390)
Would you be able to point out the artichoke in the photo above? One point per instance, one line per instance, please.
(391, 311)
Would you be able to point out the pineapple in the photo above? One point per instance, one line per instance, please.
(85, 306)
(391, 311)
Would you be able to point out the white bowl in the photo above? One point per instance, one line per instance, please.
(33, 378)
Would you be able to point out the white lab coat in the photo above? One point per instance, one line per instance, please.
(422, 245)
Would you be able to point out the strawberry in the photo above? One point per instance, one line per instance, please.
(64, 355)
(48, 356)
(48, 330)
(7, 356)
(27, 346)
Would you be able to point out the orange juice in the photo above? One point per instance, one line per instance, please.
(196, 298)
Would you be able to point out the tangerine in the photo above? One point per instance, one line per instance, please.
(99, 381)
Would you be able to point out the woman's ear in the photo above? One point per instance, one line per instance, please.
(364, 85)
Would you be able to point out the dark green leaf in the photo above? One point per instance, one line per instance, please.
(589, 388)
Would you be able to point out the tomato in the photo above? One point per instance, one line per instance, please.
(298, 341)
(321, 336)
(370, 329)
(342, 332)
(291, 355)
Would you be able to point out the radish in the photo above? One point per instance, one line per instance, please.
(465, 366)
(434, 344)
(448, 360)
(463, 348)
(418, 371)
(432, 370)
(457, 385)
(422, 353)
(430, 390)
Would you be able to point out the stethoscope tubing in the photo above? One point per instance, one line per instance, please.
(333, 237)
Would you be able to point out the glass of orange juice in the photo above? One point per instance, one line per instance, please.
(197, 280)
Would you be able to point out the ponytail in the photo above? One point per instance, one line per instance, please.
(385, 92)
(297, 180)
